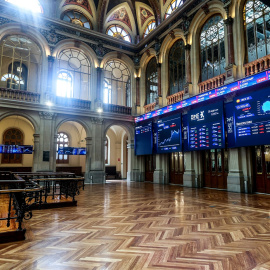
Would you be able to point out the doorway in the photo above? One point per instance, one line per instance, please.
(262, 168)
(215, 168)
(176, 168)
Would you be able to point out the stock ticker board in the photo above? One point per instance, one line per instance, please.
(252, 118)
(206, 127)
(144, 139)
(168, 134)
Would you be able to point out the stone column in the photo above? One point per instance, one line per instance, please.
(97, 170)
(235, 179)
(158, 173)
(188, 85)
(133, 173)
(231, 67)
(47, 141)
(99, 89)
(49, 93)
(159, 101)
(36, 155)
(138, 102)
(87, 177)
(189, 178)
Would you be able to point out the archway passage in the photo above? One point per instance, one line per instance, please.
(71, 134)
(116, 153)
(16, 130)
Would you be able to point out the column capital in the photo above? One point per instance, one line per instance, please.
(228, 21)
(188, 47)
(159, 65)
(99, 69)
(51, 58)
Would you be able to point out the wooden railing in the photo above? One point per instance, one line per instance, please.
(212, 83)
(175, 98)
(20, 95)
(73, 103)
(257, 66)
(149, 107)
(117, 109)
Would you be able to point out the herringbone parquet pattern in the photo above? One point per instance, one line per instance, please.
(147, 226)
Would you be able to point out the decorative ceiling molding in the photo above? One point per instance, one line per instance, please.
(82, 3)
(144, 15)
(122, 16)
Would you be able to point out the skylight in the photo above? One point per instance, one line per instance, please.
(32, 5)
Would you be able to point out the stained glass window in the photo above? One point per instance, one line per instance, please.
(212, 48)
(119, 32)
(151, 81)
(74, 70)
(172, 7)
(77, 18)
(257, 28)
(149, 28)
(32, 5)
(117, 83)
(177, 67)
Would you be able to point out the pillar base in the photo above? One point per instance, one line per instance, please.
(236, 182)
(96, 177)
(158, 177)
(187, 90)
(134, 176)
(189, 178)
(230, 74)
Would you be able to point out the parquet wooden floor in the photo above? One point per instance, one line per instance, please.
(147, 226)
(4, 204)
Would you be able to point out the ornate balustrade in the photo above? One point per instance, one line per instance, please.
(73, 103)
(212, 83)
(20, 95)
(257, 66)
(117, 109)
(175, 98)
(149, 107)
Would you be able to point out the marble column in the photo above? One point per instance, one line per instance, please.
(87, 177)
(189, 177)
(231, 67)
(188, 85)
(99, 89)
(159, 99)
(138, 102)
(235, 179)
(49, 93)
(134, 172)
(36, 155)
(158, 173)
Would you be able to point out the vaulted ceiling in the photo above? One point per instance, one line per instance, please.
(134, 16)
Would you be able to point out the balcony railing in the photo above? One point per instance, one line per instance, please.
(20, 95)
(149, 107)
(212, 83)
(175, 98)
(257, 66)
(73, 103)
(117, 109)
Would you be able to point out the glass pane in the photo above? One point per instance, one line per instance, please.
(226, 162)
(176, 162)
(213, 161)
(258, 152)
(267, 158)
(219, 160)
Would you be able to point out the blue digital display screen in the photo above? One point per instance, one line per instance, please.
(206, 127)
(185, 132)
(229, 113)
(229, 88)
(144, 139)
(72, 151)
(252, 118)
(168, 132)
(16, 149)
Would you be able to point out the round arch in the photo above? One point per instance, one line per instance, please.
(215, 8)
(128, 127)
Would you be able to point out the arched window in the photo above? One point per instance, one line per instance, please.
(177, 67)
(119, 32)
(212, 48)
(62, 141)
(12, 136)
(151, 81)
(77, 18)
(73, 77)
(32, 5)
(257, 28)
(117, 83)
(21, 59)
(172, 7)
(149, 28)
